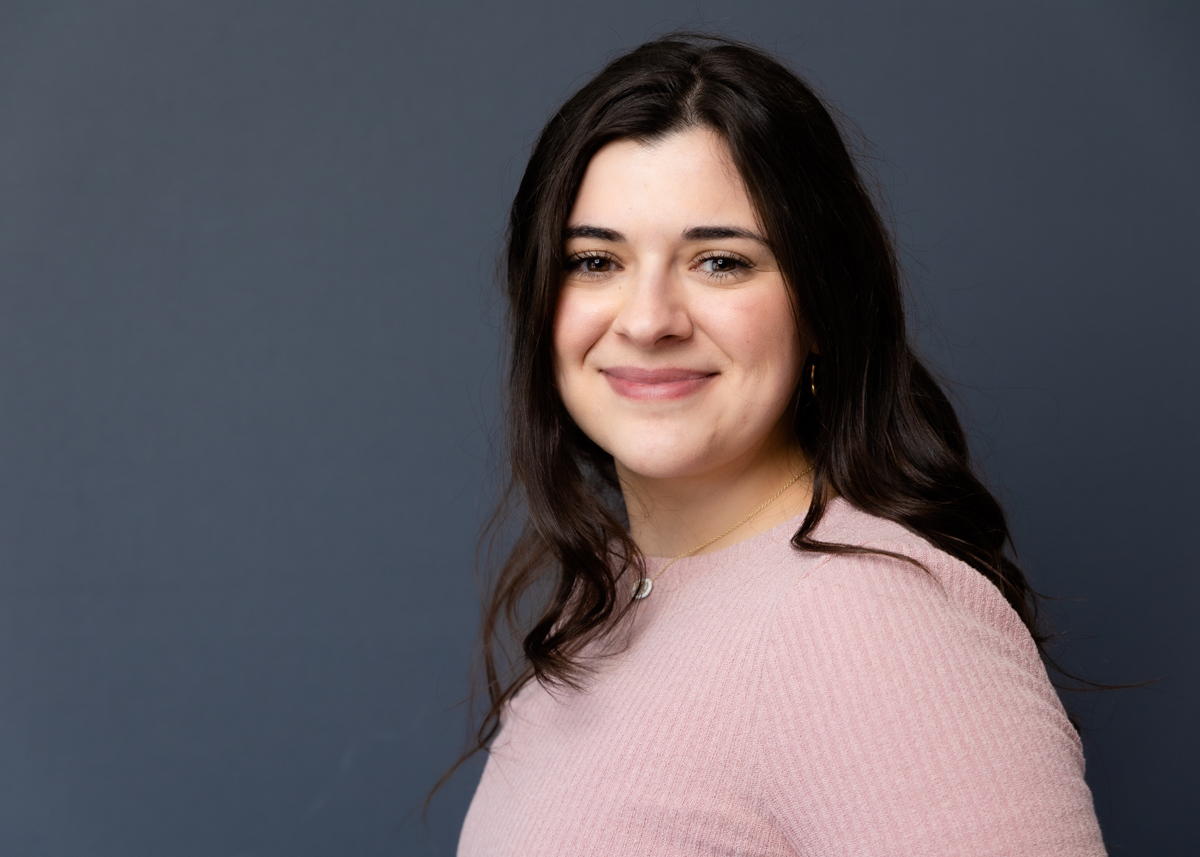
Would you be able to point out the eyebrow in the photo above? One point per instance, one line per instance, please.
(696, 233)
(599, 233)
(708, 233)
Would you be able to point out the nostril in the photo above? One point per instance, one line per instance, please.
(651, 322)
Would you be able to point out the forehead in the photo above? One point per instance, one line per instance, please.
(683, 180)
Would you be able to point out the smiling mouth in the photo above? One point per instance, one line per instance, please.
(656, 384)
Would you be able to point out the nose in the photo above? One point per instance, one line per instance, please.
(654, 310)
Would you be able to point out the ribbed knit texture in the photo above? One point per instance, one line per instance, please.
(772, 702)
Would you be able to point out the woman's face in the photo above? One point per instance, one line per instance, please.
(675, 343)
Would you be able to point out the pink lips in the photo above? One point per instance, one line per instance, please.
(670, 383)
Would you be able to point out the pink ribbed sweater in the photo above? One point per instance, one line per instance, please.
(771, 702)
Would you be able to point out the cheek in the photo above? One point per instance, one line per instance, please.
(761, 337)
(578, 324)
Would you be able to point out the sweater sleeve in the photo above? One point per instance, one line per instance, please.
(904, 712)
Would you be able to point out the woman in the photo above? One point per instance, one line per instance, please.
(772, 610)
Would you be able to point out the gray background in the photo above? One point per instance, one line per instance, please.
(248, 359)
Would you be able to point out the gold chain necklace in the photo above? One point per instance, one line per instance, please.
(643, 587)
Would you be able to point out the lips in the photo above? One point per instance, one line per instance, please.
(657, 384)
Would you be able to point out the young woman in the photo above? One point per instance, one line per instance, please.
(772, 608)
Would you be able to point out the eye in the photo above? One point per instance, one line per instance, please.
(595, 265)
(590, 265)
(722, 266)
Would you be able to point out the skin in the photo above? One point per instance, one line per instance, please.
(676, 344)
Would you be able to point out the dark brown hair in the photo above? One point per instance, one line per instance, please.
(881, 433)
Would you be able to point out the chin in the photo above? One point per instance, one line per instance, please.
(669, 460)
(661, 470)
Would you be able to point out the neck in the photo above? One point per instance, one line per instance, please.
(671, 516)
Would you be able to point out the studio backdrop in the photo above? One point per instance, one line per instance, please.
(250, 349)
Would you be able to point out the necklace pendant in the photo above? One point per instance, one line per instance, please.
(642, 589)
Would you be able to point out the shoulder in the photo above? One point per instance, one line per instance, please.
(885, 637)
(906, 577)
(904, 708)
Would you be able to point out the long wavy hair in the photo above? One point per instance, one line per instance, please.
(881, 432)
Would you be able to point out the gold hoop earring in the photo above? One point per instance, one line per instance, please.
(812, 379)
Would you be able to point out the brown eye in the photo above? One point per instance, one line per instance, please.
(722, 266)
(590, 265)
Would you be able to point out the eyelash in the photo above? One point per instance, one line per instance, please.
(721, 276)
(575, 262)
